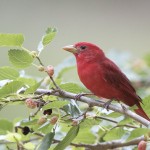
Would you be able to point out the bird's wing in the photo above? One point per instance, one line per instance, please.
(114, 76)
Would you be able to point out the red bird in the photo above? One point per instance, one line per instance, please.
(103, 77)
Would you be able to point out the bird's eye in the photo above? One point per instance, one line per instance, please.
(82, 47)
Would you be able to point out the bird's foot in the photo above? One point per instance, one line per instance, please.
(78, 96)
(123, 107)
(106, 105)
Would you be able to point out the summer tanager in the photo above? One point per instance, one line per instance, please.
(103, 77)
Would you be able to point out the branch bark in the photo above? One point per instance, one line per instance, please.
(107, 145)
(93, 102)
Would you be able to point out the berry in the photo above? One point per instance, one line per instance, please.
(41, 121)
(47, 112)
(75, 122)
(50, 70)
(142, 145)
(53, 120)
(31, 103)
(25, 130)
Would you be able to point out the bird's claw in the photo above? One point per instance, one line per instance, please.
(123, 107)
(106, 105)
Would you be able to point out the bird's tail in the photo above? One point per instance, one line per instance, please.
(141, 112)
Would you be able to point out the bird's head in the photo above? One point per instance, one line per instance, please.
(85, 50)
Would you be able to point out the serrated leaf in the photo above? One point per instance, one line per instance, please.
(72, 87)
(47, 140)
(85, 136)
(20, 58)
(8, 73)
(10, 88)
(55, 104)
(5, 126)
(27, 81)
(11, 39)
(33, 88)
(114, 134)
(47, 38)
(68, 138)
(137, 132)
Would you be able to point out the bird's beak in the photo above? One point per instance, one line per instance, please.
(70, 48)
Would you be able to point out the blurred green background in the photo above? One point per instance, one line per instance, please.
(122, 25)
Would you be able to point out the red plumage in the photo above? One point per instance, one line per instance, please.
(103, 77)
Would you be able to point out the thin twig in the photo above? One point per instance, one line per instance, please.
(110, 120)
(39, 60)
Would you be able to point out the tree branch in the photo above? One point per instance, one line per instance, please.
(92, 102)
(107, 145)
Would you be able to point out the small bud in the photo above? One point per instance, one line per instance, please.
(41, 121)
(25, 130)
(34, 54)
(30, 103)
(47, 112)
(53, 120)
(142, 145)
(50, 70)
(41, 68)
(75, 122)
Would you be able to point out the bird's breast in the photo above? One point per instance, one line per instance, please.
(92, 76)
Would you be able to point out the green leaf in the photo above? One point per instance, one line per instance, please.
(55, 104)
(27, 122)
(114, 115)
(47, 38)
(5, 126)
(47, 141)
(146, 105)
(85, 136)
(137, 132)
(87, 123)
(50, 34)
(13, 137)
(27, 81)
(10, 88)
(114, 134)
(147, 59)
(29, 146)
(11, 40)
(72, 109)
(72, 87)
(125, 121)
(8, 73)
(46, 127)
(20, 58)
(33, 88)
(68, 138)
